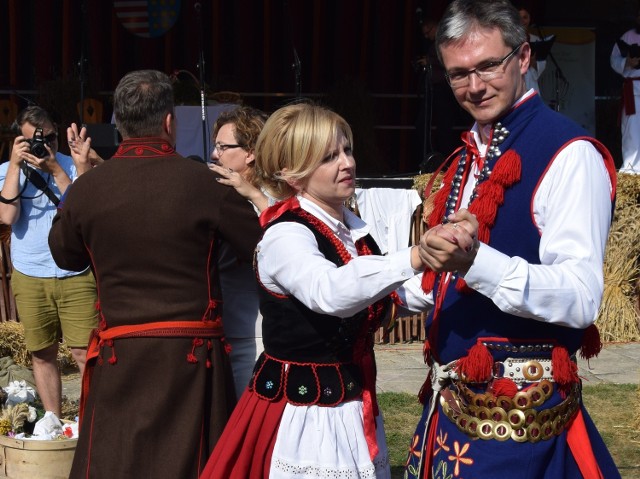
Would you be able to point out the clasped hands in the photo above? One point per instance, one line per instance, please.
(451, 246)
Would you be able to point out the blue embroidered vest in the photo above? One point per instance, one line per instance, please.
(537, 133)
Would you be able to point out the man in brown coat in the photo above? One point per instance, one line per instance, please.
(158, 388)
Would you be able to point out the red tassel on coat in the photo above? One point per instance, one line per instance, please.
(476, 366)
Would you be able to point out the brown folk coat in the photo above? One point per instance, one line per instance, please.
(147, 221)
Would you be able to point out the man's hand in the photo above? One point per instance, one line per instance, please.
(20, 148)
(84, 157)
(452, 246)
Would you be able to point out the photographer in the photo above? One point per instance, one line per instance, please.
(49, 300)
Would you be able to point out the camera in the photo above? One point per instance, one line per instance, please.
(37, 144)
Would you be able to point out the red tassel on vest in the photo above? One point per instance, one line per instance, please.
(591, 343)
(428, 280)
(477, 365)
(505, 173)
(435, 218)
(565, 371)
(490, 198)
(504, 387)
(463, 287)
(508, 169)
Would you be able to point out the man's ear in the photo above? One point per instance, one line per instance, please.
(524, 57)
(169, 127)
(168, 124)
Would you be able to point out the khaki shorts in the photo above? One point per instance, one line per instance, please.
(51, 308)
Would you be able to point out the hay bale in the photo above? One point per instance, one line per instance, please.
(619, 318)
(12, 344)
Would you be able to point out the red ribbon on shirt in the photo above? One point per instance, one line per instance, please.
(472, 149)
(277, 210)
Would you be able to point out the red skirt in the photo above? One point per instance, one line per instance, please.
(246, 445)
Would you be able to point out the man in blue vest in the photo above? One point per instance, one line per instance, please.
(534, 192)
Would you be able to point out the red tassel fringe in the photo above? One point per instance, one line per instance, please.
(462, 287)
(591, 343)
(508, 169)
(504, 387)
(476, 366)
(428, 280)
(506, 172)
(565, 371)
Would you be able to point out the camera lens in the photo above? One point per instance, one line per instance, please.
(38, 149)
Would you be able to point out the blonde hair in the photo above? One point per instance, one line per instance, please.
(296, 138)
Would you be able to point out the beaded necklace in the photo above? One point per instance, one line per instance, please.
(498, 135)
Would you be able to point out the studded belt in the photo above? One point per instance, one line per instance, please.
(502, 418)
(521, 370)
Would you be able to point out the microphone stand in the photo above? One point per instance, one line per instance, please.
(83, 60)
(559, 76)
(296, 66)
(297, 69)
(428, 113)
(198, 8)
(429, 159)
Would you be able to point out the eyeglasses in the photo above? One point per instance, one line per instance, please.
(222, 147)
(51, 137)
(485, 72)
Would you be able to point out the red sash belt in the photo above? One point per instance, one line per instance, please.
(628, 101)
(160, 329)
(578, 440)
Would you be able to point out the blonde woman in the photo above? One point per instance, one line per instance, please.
(310, 409)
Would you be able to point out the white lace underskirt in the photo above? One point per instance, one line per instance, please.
(316, 442)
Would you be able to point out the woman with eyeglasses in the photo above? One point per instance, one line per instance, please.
(235, 133)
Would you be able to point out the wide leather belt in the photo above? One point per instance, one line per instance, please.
(502, 418)
(524, 370)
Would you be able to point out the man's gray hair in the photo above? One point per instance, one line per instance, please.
(141, 102)
(464, 16)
